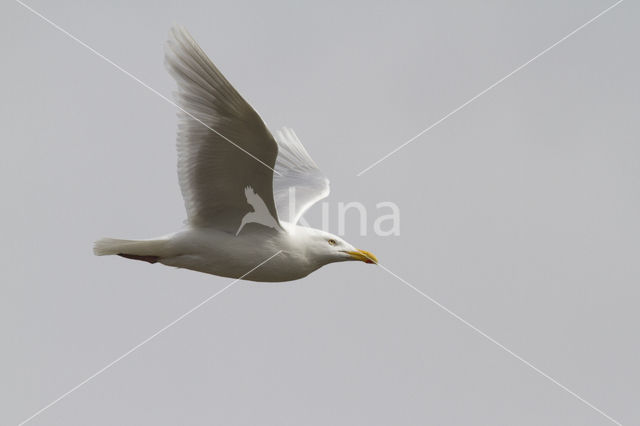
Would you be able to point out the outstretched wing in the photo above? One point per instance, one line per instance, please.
(223, 144)
(300, 183)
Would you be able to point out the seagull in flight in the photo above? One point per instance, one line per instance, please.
(237, 181)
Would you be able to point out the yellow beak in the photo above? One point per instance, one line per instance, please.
(363, 256)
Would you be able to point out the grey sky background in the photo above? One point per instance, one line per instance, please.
(519, 213)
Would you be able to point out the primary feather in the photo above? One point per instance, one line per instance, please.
(212, 170)
(299, 183)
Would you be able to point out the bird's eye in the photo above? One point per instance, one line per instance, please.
(332, 242)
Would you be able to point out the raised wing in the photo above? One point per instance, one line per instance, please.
(300, 183)
(223, 144)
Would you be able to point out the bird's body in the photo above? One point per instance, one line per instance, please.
(216, 252)
(241, 219)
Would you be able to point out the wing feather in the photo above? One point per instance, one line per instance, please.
(223, 144)
(299, 183)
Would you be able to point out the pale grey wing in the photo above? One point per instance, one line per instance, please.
(223, 144)
(300, 183)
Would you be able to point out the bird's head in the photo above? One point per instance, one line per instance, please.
(329, 248)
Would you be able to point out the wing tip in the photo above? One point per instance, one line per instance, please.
(178, 39)
(178, 31)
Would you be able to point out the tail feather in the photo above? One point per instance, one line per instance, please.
(147, 250)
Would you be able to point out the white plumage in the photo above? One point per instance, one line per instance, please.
(298, 177)
(236, 206)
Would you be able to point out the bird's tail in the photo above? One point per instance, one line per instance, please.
(148, 250)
